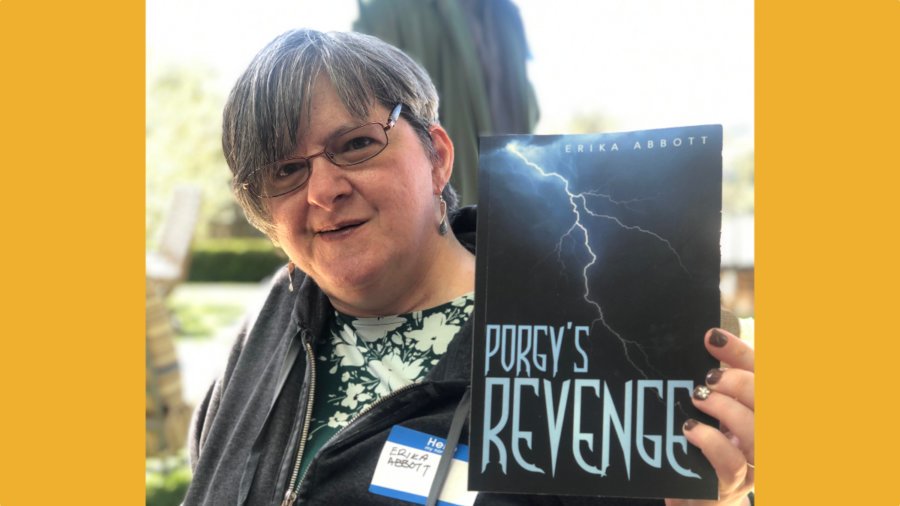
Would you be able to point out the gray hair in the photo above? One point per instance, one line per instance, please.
(262, 115)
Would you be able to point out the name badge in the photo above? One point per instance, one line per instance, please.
(407, 466)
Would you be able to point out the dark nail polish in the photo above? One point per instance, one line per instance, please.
(701, 392)
(689, 424)
(718, 338)
(713, 376)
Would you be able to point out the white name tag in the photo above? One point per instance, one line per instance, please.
(408, 463)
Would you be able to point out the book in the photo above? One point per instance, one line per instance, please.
(597, 276)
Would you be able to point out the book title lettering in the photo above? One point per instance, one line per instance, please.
(532, 353)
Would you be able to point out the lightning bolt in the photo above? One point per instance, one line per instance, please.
(639, 229)
(624, 203)
(579, 205)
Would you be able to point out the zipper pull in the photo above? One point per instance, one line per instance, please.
(289, 498)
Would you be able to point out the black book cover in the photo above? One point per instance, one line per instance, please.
(597, 275)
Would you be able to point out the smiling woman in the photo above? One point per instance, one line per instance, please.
(351, 200)
(337, 155)
(360, 230)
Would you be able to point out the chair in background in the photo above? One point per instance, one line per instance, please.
(167, 265)
(168, 415)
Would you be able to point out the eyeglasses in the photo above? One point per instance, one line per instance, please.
(348, 148)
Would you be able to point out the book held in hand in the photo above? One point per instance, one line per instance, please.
(597, 276)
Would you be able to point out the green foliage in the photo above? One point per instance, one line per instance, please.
(183, 138)
(234, 259)
(166, 485)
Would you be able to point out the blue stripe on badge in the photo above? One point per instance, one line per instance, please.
(404, 496)
(426, 442)
(461, 453)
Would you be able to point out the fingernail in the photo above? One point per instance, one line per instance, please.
(689, 424)
(713, 376)
(701, 392)
(718, 338)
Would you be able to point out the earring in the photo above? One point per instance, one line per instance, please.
(442, 226)
(290, 269)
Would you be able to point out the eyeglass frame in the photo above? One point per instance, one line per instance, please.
(391, 122)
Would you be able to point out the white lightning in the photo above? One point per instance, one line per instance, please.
(624, 203)
(581, 198)
(639, 229)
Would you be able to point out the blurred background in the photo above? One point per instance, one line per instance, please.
(534, 66)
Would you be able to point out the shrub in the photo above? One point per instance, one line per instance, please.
(167, 487)
(234, 259)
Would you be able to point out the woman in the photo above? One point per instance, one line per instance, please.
(339, 158)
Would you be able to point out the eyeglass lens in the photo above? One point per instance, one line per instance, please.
(349, 148)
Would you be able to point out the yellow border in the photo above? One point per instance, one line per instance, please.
(827, 177)
(71, 358)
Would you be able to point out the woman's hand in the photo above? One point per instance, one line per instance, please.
(730, 400)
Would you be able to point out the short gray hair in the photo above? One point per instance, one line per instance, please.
(262, 115)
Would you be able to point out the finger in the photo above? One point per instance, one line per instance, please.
(735, 383)
(737, 417)
(729, 348)
(729, 462)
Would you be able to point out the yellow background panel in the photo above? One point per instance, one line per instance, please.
(827, 166)
(72, 165)
(71, 155)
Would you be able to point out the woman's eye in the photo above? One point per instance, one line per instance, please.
(356, 143)
(290, 169)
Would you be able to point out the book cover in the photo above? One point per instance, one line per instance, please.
(597, 275)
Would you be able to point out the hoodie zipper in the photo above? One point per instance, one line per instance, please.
(291, 495)
(294, 486)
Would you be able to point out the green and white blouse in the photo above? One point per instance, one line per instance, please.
(363, 359)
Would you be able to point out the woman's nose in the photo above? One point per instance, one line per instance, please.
(328, 184)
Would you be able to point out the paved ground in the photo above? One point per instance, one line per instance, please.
(202, 360)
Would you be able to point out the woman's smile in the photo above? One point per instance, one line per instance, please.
(339, 231)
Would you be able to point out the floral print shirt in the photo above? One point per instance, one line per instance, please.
(363, 359)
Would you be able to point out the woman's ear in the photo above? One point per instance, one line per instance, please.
(443, 162)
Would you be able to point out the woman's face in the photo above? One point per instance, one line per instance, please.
(361, 229)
